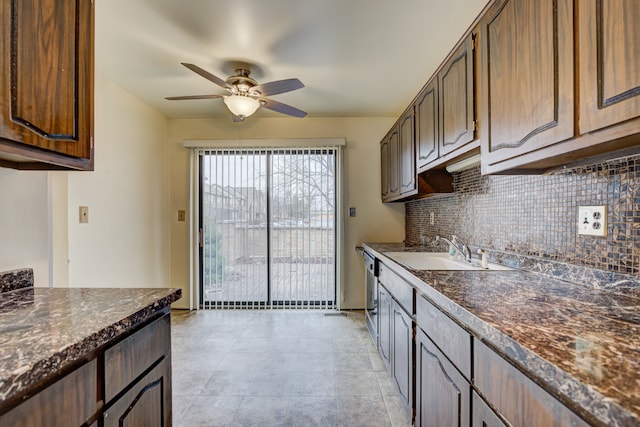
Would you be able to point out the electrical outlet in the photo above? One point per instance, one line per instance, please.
(592, 220)
(431, 218)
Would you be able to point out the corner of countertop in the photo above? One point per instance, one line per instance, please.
(16, 279)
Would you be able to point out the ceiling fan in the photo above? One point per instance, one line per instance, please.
(245, 94)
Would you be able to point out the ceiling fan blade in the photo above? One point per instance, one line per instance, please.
(278, 86)
(207, 75)
(281, 108)
(179, 98)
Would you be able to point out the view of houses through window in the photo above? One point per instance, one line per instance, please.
(268, 228)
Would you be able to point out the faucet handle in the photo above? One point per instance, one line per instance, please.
(484, 262)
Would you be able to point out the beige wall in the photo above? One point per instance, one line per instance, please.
(126, 240)
(23, 223)
(374, 221)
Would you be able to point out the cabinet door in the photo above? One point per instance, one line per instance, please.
(426, 122)
(384, 319)
(46, 83)
(609, 63)
(442, 393)
(483, 415)
(402, 353)
(393, 163)
(147, 403)
(407, 154)
(456, 86)
(384, 168)
(527, 69)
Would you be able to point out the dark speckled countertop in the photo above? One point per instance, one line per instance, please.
(581, 344)
(44, 330)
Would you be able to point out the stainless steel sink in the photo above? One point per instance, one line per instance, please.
(438, 261)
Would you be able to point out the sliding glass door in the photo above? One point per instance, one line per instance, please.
(267, 224)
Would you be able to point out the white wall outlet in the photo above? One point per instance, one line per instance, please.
(592, 220)
(431, 218)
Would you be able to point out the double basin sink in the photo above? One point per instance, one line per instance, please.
(439, 261)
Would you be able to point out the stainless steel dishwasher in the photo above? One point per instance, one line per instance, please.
(371, 294)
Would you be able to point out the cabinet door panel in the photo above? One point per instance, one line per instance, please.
(456, 88)
(384, 168)
(393, 176)
(427, 124)
(46, 88)
(442, 394)
(527, 68)
(147, 403)
(407, 154)
(384, 334)
(402, 352)
(609, 62)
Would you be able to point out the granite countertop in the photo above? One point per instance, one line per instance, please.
(581, 344)
(44, 330)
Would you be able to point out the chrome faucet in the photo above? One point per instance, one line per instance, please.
(460, 246)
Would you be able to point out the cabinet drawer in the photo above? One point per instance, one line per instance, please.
(128, 359)
(400, 290)
(452, 340)
(70, 401)
(517, 398)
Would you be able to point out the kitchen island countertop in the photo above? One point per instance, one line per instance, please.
(44, 331)
(581, 344)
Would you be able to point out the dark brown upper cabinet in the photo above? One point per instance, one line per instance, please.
(46, 84)
(426, 122)
(398, 161)
(609, 62)
(389, 164)
(456, 92)
(526, 101)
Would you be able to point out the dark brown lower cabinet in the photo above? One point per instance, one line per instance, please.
(135, 377)
(483, 415)
(442, 393)
(140, 367)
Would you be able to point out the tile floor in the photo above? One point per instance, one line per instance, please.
(279, 368)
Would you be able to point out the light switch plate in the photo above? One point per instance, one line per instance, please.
(592, 220)
(83, 214)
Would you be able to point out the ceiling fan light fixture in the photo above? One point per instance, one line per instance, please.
(241, 106)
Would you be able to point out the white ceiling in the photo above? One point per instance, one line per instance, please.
(355, 57)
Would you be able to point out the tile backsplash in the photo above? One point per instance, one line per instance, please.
(536, 215)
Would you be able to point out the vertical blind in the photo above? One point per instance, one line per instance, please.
(268, 228)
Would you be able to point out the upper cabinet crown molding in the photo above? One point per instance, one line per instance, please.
(46, 84)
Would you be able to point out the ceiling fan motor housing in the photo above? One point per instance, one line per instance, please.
(242, 82)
